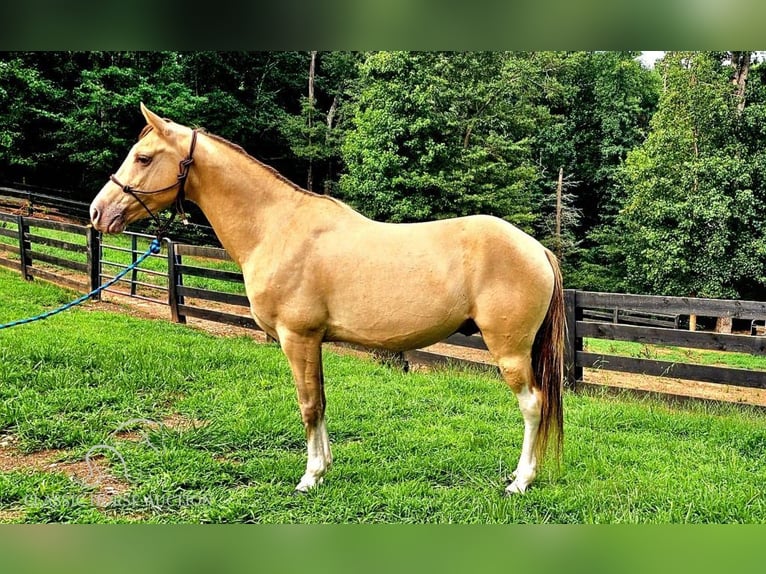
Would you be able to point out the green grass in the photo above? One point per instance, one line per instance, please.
(408, 448)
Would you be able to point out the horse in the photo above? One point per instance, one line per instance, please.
(316, 270)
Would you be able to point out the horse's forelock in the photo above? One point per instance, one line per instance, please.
(146, 130)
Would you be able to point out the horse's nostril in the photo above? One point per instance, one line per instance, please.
(94, 214)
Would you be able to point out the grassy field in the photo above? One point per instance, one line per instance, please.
(420, 447)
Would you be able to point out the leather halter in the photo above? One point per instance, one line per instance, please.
(184, 166)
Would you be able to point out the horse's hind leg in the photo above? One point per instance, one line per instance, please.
(305, 357)
(530, 406)
(516, 369)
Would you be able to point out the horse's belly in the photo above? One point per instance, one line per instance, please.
(405, 323)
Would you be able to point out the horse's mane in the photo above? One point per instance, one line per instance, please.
(146, 130)
(268, 168)
(241, 150)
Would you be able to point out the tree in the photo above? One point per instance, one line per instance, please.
(29, 110)
(600, 112)
(314, 133)
(435, 135)
(102, 120)
(690, 221)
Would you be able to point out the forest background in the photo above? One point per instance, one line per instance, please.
(662, 170)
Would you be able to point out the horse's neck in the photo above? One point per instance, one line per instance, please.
(244, 201)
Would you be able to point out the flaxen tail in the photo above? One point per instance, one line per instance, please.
(548, 364)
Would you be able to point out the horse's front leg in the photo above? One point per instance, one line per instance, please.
(305, 357)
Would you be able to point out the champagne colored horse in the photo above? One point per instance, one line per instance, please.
(316, 270)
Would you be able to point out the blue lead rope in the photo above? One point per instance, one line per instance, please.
(154, 248)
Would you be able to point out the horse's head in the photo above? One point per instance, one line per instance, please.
(148, 180)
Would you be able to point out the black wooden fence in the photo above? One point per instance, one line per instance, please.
(27, 238)
(180, 294)
(617, 317)
(31, 199)
(578, 302)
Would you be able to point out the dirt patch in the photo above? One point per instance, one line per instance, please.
(93, 473)
(10, 515)
(676, 387)
(94, 470)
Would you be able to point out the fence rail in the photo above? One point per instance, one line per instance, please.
(32, 197)
(33, 201)
(579, 302)
(156, 292)
(193, 284)
(180, 308)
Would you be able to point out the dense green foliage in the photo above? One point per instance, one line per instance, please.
(409, 448)
(696, 198)
(664, 170)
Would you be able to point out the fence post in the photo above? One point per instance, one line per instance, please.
(133, 259)
(573, 373)
(24, 248)
(94, 260)
(175, 280)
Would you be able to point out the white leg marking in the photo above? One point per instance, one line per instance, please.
(319, 458)
(322, 430)
(527, 468)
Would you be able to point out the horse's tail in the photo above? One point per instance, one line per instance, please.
(548, 364)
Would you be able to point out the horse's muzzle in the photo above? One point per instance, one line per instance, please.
(106, 218)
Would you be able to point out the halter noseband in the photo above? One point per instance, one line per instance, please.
(184, 166)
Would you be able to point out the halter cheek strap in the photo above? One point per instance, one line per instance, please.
(184, 166)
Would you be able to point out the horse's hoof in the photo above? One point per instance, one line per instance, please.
(308, 484)
(298, 493)
(515, 488)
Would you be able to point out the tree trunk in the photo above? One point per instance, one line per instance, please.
(741, 63)
(312, 70)
(330, 119)
(558, 212)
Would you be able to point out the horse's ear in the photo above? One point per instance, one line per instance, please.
(160, 125)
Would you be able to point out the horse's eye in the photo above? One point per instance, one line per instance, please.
(144, 159)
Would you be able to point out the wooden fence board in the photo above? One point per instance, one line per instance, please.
(202, 251)
(9, 247)
(210, 273)
(55, 225)
(53, 260)
(10, 263)
(12, 233)
(632, 317)
(673, 305)
(218, 296)
(470, 341)
(436, 360)
(58, 243)
(55, 278)
(218, 316)
(704, 373)
(676, 338)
